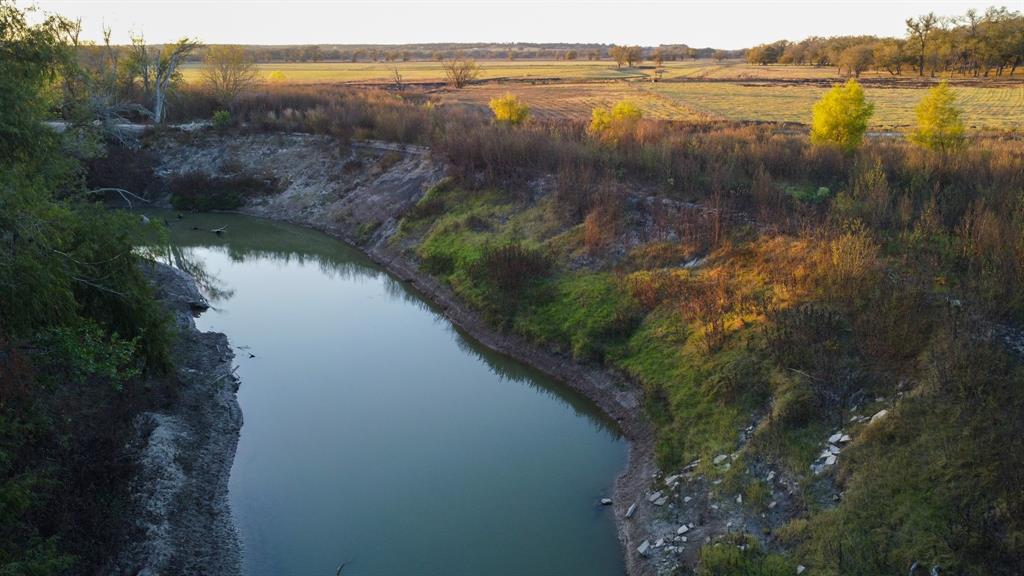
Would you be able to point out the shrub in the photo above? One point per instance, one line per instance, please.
(511, 267)
(741, 555)
(509, 109)
(221, 120)
(840, 118)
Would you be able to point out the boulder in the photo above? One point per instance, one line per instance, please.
(879, 415)
(643, 548)
(720, 459)
(655, 496)
(631, 510)
(606, 501)
(683, 529)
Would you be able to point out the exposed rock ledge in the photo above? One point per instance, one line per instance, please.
(179, 516)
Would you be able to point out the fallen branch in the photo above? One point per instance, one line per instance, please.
(124, 194)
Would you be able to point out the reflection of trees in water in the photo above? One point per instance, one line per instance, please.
(511, 370)
(261, 240)
(185, 258)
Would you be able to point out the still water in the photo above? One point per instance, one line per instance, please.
(376, 434)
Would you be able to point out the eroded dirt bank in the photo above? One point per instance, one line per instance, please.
(180, 518)
(359, 194)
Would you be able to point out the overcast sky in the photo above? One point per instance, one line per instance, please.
(721, 24)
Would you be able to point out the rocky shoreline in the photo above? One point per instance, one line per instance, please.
(179, 514)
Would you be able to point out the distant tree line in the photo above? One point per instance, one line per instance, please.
(975, 44)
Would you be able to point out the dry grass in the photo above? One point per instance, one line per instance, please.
(984, 107)
(997, 107)
(576, 101)
(383, 72)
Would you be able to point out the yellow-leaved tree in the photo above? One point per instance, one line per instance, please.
(625, 112)
(509, 109)
(841, 116)
(939, 126)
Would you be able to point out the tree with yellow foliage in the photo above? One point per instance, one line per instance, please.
(509, 109)
(841, 117)
(939, 126)
(625, 112)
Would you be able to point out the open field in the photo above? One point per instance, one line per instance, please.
(383, 72)
(984, 108)
(557, 70)
(693, 90)
(554, 101)
(992, 108)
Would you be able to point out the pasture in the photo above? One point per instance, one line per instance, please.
(690, 90)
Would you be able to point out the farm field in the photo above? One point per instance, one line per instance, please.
(383, 72)
(567, 70)
(559, 101)
(734, 90)
(984, 108)
(989, 108)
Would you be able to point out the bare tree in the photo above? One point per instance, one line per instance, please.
(460, 71)
(165, 69)
(396, 78)
(228, 70)
(157, 69)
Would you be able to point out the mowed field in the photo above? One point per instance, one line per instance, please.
(690, 90)
(384, 72)
(998, 108)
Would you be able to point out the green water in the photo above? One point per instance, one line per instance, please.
(377, 434)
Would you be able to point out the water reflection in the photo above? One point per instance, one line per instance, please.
(251, 239)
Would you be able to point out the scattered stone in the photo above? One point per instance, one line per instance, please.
(844, 439)
(606, 501)
(800, 569)
(686, 500)
(879, 415)
(720, 459)
(683, 529)
(772, 505)
(643, 548)
(830, 460)
(672, 479)
(835, 437)
(771, 476)
(833, 449)
(659, 543)
(739, 498)
(661, 501)
(655, 496)
(631, 510)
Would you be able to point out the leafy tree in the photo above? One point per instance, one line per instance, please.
(856, 59)
(919, 32)
(939, 126)
(509, 109)
(624, 112)
(841, 116)
(77, 317)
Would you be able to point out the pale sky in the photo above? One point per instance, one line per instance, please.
(723, 24)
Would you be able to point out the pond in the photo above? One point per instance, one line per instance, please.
(377, 435)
